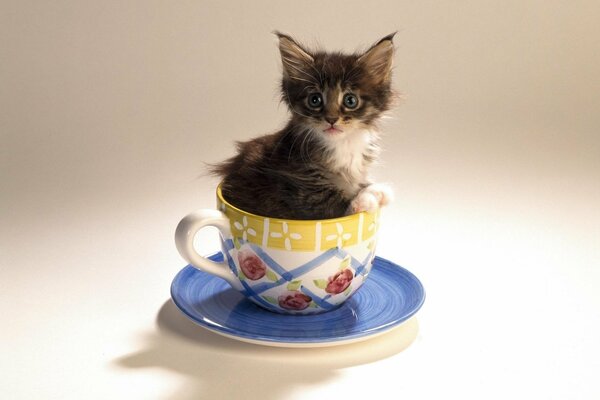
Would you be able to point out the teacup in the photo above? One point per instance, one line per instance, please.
(286, 266)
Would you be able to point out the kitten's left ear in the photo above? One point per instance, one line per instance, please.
(378, 59)
(294, 58)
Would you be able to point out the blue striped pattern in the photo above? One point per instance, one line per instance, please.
(253, 291)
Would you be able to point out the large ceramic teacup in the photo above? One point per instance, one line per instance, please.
(285, 266)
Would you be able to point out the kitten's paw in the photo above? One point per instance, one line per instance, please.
(383, 193)
(371, 198)
(364, 201)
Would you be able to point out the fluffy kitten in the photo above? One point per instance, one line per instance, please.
(316, 167)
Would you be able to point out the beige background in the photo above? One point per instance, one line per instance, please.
(108, 111)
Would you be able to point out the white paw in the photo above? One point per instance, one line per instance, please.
(371, 198)
(364, 201)
(383, 193)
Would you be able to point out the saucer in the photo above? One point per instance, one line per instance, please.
(390, 296)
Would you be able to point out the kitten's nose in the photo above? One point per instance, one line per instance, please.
(331, 120)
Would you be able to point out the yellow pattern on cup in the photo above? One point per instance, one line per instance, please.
(245, 227)
(291, 235)
(299, 235)
(341, 233)
(370, 225)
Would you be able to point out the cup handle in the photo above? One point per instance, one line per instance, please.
(184, 240)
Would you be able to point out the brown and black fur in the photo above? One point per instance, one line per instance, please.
(296, 173)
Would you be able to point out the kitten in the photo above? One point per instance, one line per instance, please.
(316, 167)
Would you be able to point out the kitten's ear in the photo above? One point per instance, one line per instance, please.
(295, 59)
(378, 59)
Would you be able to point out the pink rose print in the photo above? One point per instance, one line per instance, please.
(252, 266)
(294, 301)
(339, 282)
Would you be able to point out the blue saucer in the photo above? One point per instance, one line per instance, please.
(390, 296)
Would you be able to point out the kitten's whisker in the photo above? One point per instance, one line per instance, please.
(310, 136)
(299, 113)
(292, 146)
(292, 106)
(283, 137)
(307, 135)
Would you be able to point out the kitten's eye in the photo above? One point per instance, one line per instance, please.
(350, 101)
(315, 100)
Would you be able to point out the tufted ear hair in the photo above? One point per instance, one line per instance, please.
(296, 60)
(378, 59)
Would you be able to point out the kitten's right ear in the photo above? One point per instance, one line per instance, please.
(294, 58)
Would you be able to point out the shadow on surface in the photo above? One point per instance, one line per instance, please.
(221, 368)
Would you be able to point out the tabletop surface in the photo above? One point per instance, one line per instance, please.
(111, 109)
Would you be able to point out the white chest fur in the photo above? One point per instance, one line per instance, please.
(349, 157)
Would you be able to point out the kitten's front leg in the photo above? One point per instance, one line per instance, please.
(371, 197)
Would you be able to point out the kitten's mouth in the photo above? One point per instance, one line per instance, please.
(333, 130)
